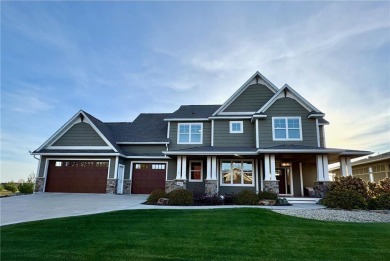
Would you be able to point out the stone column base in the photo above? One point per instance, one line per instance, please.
(320, 188)
(126, 186)
(171, 185)
(39, 184)
(111, 186)
(211, 187)
(271, 186)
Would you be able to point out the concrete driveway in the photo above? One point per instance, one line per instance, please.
(40, 206)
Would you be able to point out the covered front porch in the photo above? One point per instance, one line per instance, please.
(287, 172)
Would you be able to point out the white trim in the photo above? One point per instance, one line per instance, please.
(208, 168)
(261, 174)
(146, 157)
(76, 154)
(210, 152)
(301, 179)
(39, 168)
(214, 168)
(184, 168)
(237, 113)
(201, 172)
(267, 167)
(168, 129)
(315, 115)
(78, 159)
(291, 94)
(142, 143)
(320, 168)
(272, 166)
(257, 134)
(212, 133)
(119, 189)
(255, 162)
(299, 151)
(230, 117)
(232, 98)
(178, 167)
(262, 116)
(187, 119)
(241, 184)
(286, 121)
(148, 162)
(236, 122)
(189, 133)
(116, 167)
(318, 134)
(78, 147)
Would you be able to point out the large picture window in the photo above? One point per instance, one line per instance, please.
(189, 133)
(286, 128)
(237, 173)
(196, 171)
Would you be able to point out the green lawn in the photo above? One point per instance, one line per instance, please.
(223, 234)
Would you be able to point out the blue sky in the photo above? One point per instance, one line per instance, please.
(118, 59)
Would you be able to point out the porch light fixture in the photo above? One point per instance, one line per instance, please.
(285, 164)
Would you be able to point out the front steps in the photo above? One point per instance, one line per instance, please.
(302, 200)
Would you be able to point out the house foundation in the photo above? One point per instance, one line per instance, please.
(126, 186)
(171, 185)
(111, 186)
(211, 187)
(39, 184)
(321, 188)
(271, 186)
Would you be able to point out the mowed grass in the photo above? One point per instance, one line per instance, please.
(223, 234)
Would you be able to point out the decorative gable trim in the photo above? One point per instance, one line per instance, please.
(257, 75)
(287, 91)
(77, 118)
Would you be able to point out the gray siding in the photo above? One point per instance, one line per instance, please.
(252, 99)
(80, 134)
(44, 160)
(173, 136)
(287, 107)
(322, 136)
(143, 148)
(223, 137)
(309, 174)
(233, 189)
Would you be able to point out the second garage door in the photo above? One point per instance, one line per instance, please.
(74, 176)
(148, 177)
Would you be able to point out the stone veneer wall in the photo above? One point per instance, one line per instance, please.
(126, 186)
(111, 186)
(39, 184)
(271, 186)
(174, 184)
(211, 187)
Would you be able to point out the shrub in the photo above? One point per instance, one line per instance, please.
(345, 199)
(247, 197)
(383, 201)
(267, 195)
(180, 197)
(26, 188)
(201, 199)
(350, 183)
(10, 186)
(229, 198)
(377, 189)
(1, 187)
(155, 196)
(282, 202)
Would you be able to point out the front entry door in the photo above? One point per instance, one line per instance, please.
(284, 176)
(121, 171)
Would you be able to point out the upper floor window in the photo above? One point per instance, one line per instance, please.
(236, 127)
(190, 133)
(286, 128)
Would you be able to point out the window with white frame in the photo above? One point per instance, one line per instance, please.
(196, 170)
(286, 128)
(236, 127)
(237, 173)
(189, 133)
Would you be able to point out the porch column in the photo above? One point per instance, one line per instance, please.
(178, 165)
(320, 168)
(184, 168)
(266, 168)
(371, 174)
(214, 167)
(208, 167)
(325, 164)
(272, 166)
(343, 167)
(349, 166)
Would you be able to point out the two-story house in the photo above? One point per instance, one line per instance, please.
(261, 138)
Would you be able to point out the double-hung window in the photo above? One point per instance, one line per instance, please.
(236, 127)
(196, 170)
(237, 173)
(286, 128)
(189, 133)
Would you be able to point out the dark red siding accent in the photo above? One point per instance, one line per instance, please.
(77, 176)
(145, 180)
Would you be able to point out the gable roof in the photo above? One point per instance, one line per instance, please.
(193, 112)
(287, 91)
(372, 159)
(257, 75)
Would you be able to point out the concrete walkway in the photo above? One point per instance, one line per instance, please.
(18, 209)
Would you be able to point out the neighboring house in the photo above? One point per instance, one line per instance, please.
(371, 169)
(261, 138)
